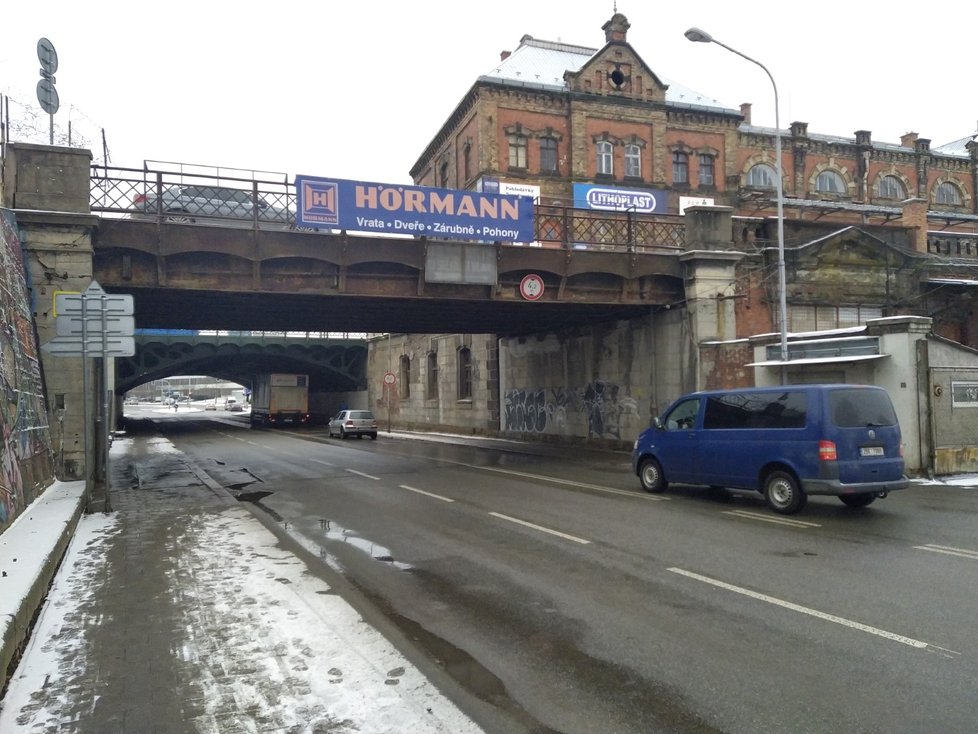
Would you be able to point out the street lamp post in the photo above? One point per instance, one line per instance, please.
(700, 36)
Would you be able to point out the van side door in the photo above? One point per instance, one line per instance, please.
(676, 443)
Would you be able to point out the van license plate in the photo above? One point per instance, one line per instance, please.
(871, 451)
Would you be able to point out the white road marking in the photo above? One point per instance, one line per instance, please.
(811, 612)
(542, 529)
(361, 474)
(427, 494)
(568, 482)
(768, 518)
(950, 551)
(320, 461)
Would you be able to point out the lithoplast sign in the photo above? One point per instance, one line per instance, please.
(615, 199)
(362, 206)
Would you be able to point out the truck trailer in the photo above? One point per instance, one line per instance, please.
(279, 399)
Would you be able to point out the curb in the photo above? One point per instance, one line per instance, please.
(29, 561)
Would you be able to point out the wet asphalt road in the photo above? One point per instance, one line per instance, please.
(563, 599)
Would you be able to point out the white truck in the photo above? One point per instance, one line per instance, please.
(279, 399)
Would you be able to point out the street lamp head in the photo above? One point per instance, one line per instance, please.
(698, 35)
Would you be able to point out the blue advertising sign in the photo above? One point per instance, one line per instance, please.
(362, 206)
(612, 198)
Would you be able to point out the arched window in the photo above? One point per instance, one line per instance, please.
(548, 155)
(443, 175)
(830, 182)
(947, 193)
(464, 374)
(891, 187)
(405, 377)
(431, 376)
(606, 157)
(762, 176)
(680, 167)
(633, 160)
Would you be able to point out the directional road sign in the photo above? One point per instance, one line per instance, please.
(71, 303)
(93, 346)
(110, 324)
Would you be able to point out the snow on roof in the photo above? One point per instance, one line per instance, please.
(542, 64)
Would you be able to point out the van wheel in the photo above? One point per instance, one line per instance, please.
(650, 474)
(783, 494)
(857, 500)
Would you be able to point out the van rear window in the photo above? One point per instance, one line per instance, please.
(852, 408)
(756, 410)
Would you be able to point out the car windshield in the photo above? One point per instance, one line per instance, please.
(361, 414)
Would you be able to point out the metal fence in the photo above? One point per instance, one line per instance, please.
(233, 197)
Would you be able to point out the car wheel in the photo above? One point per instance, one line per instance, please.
(342, 434)
(178, 216)
(783, 494)
(858, 500)
(650, 475)
(373, 436)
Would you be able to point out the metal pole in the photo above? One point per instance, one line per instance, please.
(390, 388)
(701, 36)
(106, 403)
(86, 413)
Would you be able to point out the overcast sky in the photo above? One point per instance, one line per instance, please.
(358, 89)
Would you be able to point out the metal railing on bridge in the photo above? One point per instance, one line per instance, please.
(230, 197)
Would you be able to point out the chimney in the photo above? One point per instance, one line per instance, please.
(616, 28)
(745, 111)
(914, 217)
(908, 140)
(503, 55)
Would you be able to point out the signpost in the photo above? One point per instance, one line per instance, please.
(92, 324)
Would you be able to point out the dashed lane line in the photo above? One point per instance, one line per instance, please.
(894, 637)
(361, 474)
(427, 494)
(768, 518)
(542, 529)
(949, 551)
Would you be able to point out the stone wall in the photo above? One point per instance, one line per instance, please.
(26, 458)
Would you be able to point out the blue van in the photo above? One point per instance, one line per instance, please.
(787, 442)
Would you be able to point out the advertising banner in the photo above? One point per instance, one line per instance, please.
(363, 206)
(615, 199)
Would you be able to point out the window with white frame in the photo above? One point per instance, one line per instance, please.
(706, 169)
(830, 182)
(680, 167)
(606, 157)
(761, 176)
(947, 193)
(803, 318)
(517, 151)
(633, 160)
(548, 155)
(891, 187)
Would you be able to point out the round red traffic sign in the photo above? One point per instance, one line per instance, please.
(531, 287)
(389, 378)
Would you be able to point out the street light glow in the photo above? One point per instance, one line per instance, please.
(698, 35)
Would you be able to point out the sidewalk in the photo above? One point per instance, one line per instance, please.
(180, 612)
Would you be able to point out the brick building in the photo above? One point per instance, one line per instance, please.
(591, 128)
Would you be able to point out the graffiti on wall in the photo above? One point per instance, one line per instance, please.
(601, 403)
(26, 461)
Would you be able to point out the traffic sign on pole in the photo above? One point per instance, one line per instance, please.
(92, 346)
(94, 324)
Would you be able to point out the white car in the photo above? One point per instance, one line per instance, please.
(357, 423)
